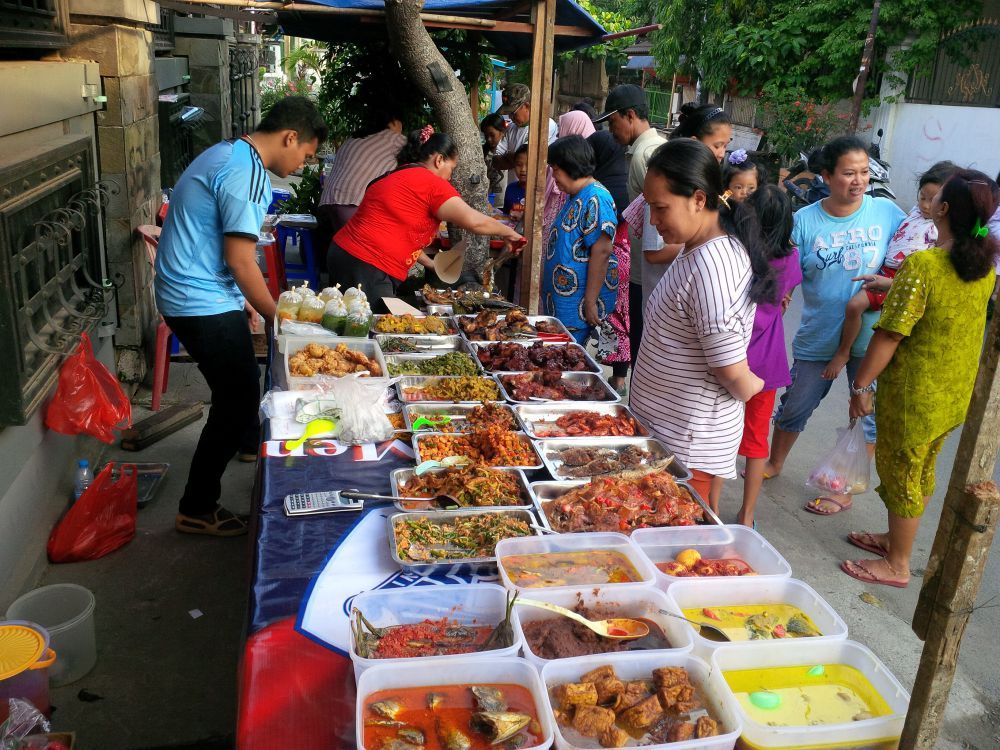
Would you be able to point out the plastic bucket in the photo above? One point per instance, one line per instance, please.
(66, 610)
(32, 682)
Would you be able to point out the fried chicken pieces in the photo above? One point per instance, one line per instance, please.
(318, 359)
(601, 706)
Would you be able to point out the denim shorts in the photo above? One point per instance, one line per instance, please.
(808, 388)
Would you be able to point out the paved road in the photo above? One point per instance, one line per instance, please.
(815, 545)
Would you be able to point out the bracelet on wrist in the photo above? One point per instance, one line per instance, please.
(856, 391)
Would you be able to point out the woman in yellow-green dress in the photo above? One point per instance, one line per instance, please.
(925, 354)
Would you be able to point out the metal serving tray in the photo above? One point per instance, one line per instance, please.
(443, 310)
(457, 412)
(532, 319)
(587, 377)
(452, 329)
(395, 359)
(430, 344)
(592, 365)
(421, 567)
(418, 436)
(658, 450)
(419, 381)
(401, 477)
(548, 492)
(532, 416)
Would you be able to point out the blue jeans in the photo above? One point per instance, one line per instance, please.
(808, 388)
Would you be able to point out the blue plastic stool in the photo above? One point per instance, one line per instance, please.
(307, 269)
(278, 195)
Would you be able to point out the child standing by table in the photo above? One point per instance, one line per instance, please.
(766, 355)
(917, 232)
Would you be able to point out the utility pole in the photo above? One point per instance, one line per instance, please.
(866, 64)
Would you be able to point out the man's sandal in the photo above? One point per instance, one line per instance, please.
(220, 522)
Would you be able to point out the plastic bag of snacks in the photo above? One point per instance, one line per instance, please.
(288, 305)
(335, 315)
(846, 470)
(362, 419)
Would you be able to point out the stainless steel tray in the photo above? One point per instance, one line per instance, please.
(418, 436)
(532, 319)
(443, 310)
(457, 412)
(592, 365)
(432, 344)
(437, 517)
(531, 417)
(393, 359)
(549, 492)
(658, 450)
(452, 329)
(419, 381)
(401, 477)
(585, 377)
(148, 477)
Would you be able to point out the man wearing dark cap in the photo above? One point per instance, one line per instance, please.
(517, 106)
(626, 111)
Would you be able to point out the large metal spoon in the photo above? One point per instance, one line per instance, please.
(445, 502)
(619, 628)
(708, 632)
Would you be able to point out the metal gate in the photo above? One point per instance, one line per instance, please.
(244, 61)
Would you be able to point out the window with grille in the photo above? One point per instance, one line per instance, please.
(33, 23)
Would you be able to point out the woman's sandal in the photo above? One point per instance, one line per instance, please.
(866, 540)
(220, 522)
(815, 506)
(859, 571)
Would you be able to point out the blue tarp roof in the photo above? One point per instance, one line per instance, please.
(509, 44)
(641, 62)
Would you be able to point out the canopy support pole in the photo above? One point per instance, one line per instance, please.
(542, 62)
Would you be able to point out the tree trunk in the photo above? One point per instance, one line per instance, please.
(419, 56)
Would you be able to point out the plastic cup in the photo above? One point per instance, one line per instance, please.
(66, 611)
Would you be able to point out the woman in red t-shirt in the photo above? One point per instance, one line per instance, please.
(399, 216)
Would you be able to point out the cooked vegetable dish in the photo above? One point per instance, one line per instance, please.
(472, 486)
(428, 324)
(419, 539)
(452, 363)
(465, 388)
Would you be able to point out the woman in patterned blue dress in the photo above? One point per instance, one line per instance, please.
(580, 274)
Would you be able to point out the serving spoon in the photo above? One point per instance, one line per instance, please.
(709, 632)
(618, 628)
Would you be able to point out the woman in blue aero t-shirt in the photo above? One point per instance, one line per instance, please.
(839, 238)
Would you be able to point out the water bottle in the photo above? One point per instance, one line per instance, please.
(84, 476)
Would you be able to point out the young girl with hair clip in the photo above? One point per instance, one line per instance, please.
(925, 353)
(766, 354)
(691, 377)
(740, 176)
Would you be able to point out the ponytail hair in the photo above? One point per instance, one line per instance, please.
(972, 199)
(698, 120)
(419, 148)
(774, 213)
(688, 165)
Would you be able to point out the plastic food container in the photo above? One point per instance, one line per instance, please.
(610, 601)
(460, 671)
(640, 665)
(712, 542)
(25, 658)
(66, 611)
(472, 604)
(880, 733)
(603, 541)
(295, 344)
(696, 593)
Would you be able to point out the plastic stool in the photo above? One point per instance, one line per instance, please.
(278, 195)
(161, 362)
(307, 269)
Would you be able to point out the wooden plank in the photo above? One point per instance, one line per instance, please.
(164, 422)
(958, 557)
(538, 146)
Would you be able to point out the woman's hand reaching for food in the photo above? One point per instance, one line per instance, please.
(872, 282)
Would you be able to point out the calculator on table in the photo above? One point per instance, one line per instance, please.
(307, 503)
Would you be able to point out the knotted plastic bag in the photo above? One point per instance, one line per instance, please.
(846, 470)
(101, 521)
(89, 399)
(362, 418)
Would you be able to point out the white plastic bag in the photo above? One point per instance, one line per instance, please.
(362, 418)
(846, 470)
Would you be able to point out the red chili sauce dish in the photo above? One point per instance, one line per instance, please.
(451, 717)
(430, 638)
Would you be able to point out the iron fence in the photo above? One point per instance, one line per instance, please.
(970, 82)
(244, 62)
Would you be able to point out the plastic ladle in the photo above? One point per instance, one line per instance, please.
(709, 632)
(315, 428)
(618, 628)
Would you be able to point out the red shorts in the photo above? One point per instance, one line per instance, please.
(877, 299)
(756, 424)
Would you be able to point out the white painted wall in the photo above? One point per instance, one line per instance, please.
(919, 135)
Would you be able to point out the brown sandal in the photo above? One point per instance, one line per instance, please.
(220, 522)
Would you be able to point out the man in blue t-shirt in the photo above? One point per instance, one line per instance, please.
(207, 281)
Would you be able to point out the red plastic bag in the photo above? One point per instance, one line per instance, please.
(101, 521)
(89, 398)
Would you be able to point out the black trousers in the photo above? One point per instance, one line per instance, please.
(349, 271)
(634, 318)
(222, 347)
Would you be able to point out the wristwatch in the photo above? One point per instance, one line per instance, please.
(855, 391)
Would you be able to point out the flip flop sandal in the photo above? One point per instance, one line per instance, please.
(813, 506)
(743, 475)
(856, 538)
(866, 576)
(223, 523)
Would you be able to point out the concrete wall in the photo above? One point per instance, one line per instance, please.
(205, 43)
(918, 135)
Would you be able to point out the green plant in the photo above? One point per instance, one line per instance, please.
(797, 123)
(273, 91)
(305, 195)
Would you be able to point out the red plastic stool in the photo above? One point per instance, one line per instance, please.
(161, 351)
(274, 269)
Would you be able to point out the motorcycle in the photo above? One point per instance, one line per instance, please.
(805, 186)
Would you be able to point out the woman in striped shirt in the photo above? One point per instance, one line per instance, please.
(691, 377)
